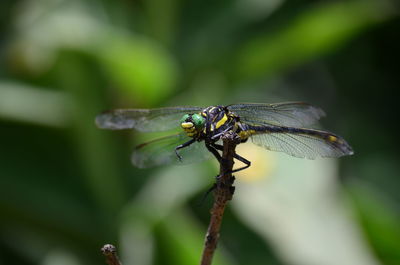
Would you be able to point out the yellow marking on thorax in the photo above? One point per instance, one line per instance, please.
(246, 134)
(221, 121)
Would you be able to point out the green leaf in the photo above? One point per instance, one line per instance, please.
(379, 220)
(322, 29)
(141, 69)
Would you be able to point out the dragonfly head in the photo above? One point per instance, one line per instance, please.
(192, 123)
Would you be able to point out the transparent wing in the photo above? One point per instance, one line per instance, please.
(308, 144)
(144, 120)
(291, 114)
(161, 151)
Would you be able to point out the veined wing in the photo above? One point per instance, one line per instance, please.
(303, 143)
(161, 151)
(290, 114)
(144, 120)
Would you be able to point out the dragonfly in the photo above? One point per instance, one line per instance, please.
(276, 127)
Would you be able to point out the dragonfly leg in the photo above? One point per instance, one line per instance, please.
(241, 159)
(186, 144)
(236, 156)
(218, 135)
(213, 150)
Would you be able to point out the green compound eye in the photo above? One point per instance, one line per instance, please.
(184, 118)
(198, 120)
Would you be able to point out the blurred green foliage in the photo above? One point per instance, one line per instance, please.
(67, 188)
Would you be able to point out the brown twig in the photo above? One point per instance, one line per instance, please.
(110, 252)
(223, 192)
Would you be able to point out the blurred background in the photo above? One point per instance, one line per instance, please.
(67, 188)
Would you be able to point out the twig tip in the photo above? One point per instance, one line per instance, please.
(108, 250)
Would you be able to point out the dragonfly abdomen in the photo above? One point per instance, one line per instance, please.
(311, 139)
(265, 129)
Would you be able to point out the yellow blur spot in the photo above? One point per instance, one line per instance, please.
(263, 162)
(186, 125)
(221, 122)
